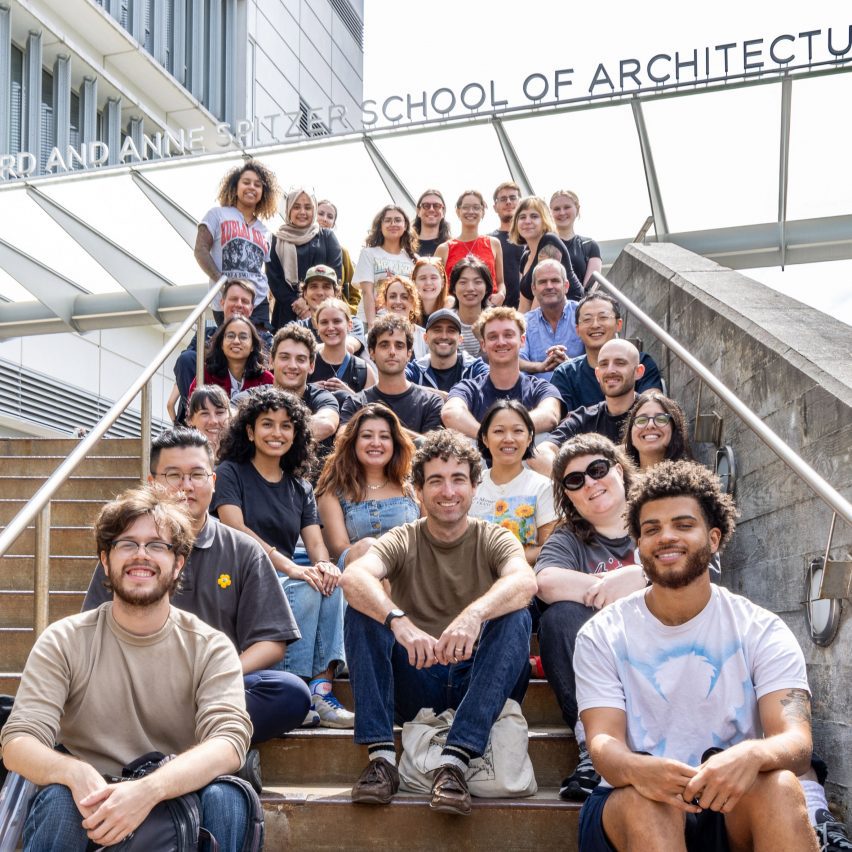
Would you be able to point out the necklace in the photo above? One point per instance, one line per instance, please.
(468, 244)
(377, 487)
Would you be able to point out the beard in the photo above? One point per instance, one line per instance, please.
(140, 597)
(697, 563)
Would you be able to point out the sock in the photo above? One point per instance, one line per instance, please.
(814, 798)
(456, 756)
(385, 750)
(319, 686)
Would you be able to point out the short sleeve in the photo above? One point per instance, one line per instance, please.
(539, 391)
(365, 269)
(545, 513)
(561, 550)
(230, 489)
(501, 546)
(392, 549)
(310, 516)
(351, 405)
(563, 379)
(212, 221)
(651, 377)
(591, 249)
(466, 390)
(325, 399)
(432, 415)
(778, 662)
(595, 670)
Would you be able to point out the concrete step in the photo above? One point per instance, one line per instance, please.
(327, 756)
(66, 513)
(16, 609)
(15, 644)
(77, 487)
(64, 541)
(65, 446)
(67, 573)
(112, 465)
(316, 818)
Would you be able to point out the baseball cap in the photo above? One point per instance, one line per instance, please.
(321, 271)
(443, 314)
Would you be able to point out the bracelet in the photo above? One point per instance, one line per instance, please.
(271, 551)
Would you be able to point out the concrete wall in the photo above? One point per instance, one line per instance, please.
(792, 365)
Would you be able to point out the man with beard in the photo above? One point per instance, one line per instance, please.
(695, 701)
(133, 676)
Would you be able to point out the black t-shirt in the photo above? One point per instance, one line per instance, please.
(581, 249)
(427, 247)
(550, 246)
(445, 379)
(511, 268)
(417, 409)
(591, 418)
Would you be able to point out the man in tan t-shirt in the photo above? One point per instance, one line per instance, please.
(133, 676)
(457, 584)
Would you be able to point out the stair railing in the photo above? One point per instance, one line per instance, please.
(38, 506)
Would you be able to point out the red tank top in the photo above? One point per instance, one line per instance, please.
(481, 247)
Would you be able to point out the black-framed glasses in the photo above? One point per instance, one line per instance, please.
(661, 419)
(175, 477)
(597, 469)
(127, 547)
(431, 205)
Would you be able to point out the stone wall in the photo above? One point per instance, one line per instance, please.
(792, 365)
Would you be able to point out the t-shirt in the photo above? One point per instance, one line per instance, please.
(109, 696)
(353, 372)
(374, 264)
(433, 581)
(417, 409)
(576, 381)
(591, 418)
(563, 549)
(581, 249)
(276, 511)
(427, 248)
(445, 379)
(550, 247)
(511, 268)
(521, 506)
(239, 250)
(469, 341)
(230, 584)
(687, 687)
(480, 394)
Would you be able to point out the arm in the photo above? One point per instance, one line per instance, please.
(531, 551)
(333, 525)
(542, 461)
(545, 416)
(564, 584)
(203, 244)
(261, 655)
(614, 585)
(525, 304)
(442, 251)
(593, 264)
(368, 296)
(324, 423)
(554, 356)
(456, 415)
(499, 295)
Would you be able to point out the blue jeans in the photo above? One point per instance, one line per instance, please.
(276, 702)
(385, 685)
(320, 621)
(55, 825)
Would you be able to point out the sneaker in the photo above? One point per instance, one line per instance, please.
(311, 720)
(449, 791)
(831, 833)
(377, 784)
(250, 771)
(331, 713)
(578, 786)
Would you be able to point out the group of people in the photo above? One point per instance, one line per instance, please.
(398, 470)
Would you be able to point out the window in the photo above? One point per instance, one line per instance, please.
(17, 100)
(48, 127)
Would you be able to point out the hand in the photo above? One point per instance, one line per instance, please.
(335, 384)
(419, 644)
(612, 586)
(119, 810)
(724, 779)
(83, 781)
(458, 640)
(309, 573)
(555, 356)
(301, 309)
(496, 299)
(329, 576)
(664, 780)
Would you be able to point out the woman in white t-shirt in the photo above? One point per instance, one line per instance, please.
(389, 250)
(511, 494)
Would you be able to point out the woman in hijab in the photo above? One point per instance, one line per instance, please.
(298, 244)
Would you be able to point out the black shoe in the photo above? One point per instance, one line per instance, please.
(831, 833)
(578, 786)
(449, 791)
(250, 771)
(378, 783)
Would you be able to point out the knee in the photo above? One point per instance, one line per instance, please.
(562, 620)
(220, 797)
(774, 788)
(632, 809)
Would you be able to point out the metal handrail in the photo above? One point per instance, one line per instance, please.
(38, 504)
(801, 468)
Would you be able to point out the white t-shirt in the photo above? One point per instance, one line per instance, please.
(687, 688)
(522, 505)
(239, 250)
(374, 263)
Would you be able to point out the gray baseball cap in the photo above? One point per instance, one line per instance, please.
(443, 314)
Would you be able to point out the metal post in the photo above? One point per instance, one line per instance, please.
(41, 578)
(145, 415)
(200, 341)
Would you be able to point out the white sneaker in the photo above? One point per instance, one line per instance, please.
(311, 720)
(332, 714)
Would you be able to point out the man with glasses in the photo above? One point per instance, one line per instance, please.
(507, 196)
(429, 224)
(230, 584)
(136, 675)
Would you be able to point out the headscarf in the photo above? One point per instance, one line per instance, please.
(288, 236)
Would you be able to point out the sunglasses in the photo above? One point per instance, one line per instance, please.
(597, 469)
(660, 419)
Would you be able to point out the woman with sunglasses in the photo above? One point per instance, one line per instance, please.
(588, 562)
(655, 431)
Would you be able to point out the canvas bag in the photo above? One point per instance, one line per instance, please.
(504, 771)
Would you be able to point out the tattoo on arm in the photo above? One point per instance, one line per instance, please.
(797, 706)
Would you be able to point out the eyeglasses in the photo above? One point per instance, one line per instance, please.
(660, 419)
(471, 208)
(127, 547)
(597, 469)
(507, 199)
(232, 335)
(588, 320)
(431, 205)
(196, 477)
(393, 221)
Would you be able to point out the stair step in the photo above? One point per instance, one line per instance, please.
(64, 541)
(83, 487)
(67, 513)
(9, 683)
(111, 465)
(302, 817)
(330, 756)
(15, 644)
(16, 608)
(67, 573)
(65, 446)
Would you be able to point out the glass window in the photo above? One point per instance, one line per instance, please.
(74, 124)
(17, 100)
(48, 128)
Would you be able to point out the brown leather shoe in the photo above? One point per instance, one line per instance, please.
(449, 791)
(377, 784)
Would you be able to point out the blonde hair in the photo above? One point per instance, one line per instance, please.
(531, 202)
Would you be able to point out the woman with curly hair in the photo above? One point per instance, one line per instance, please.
(510, 494)
(589, 562)
(390, 249)
(364, 491)
(398, 295)
(430, 279)
(232, 240)
(655, 431)
(262, 491)
(235, 359)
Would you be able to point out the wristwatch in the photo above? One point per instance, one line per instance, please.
(394, 613)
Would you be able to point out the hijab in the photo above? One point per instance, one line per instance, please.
(288, 236)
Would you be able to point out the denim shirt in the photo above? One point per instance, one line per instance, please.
(376, 517)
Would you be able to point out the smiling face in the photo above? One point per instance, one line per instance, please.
(502, 341)
(333, 326)
(507, 438)
(618, 368)
(428, 283)
(596, 324)
(249, 189)
(316, 291)
(564, 210)
(291, 365)
(237, 302)
(431, 210)
(211, 421)
(397, 300)
(302, 211)
(326, 216)
(470, 288)
(599, 501)
(549, 287)
(442, 338)
(530, 224)
(272, 433)
(391, 353)
(374, 444)
(471, 211)
(237, 341)
(447, 492)
(651, 439)
(393, 225)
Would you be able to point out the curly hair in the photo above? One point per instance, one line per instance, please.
(343, 474)
(267, 207)
(471, 261)
(237, 447)
(503, 312)
(443, 225)
(589, 444)
(506, 405)
(678, 447)
(684, 479)
(446, 444)
(389, 323)
(415, 312)
(409, 242)
(217, 364)
(531, 202)
(298, 334)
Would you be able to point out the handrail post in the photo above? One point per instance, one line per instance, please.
(145, 415)
(200, 340)
(41, 569)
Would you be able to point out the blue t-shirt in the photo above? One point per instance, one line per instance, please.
(576, 381)
(480, 394)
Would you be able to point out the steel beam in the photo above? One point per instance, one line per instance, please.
(513, 161)
(32, 95)
(5, 77)
(62, 102)
(397, 189)
(661, 225)
(784, 163)
(185, 225)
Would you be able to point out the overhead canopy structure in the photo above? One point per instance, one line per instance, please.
(746, 173)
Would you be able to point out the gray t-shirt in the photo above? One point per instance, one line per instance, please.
(565, 550)
(230, 584)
